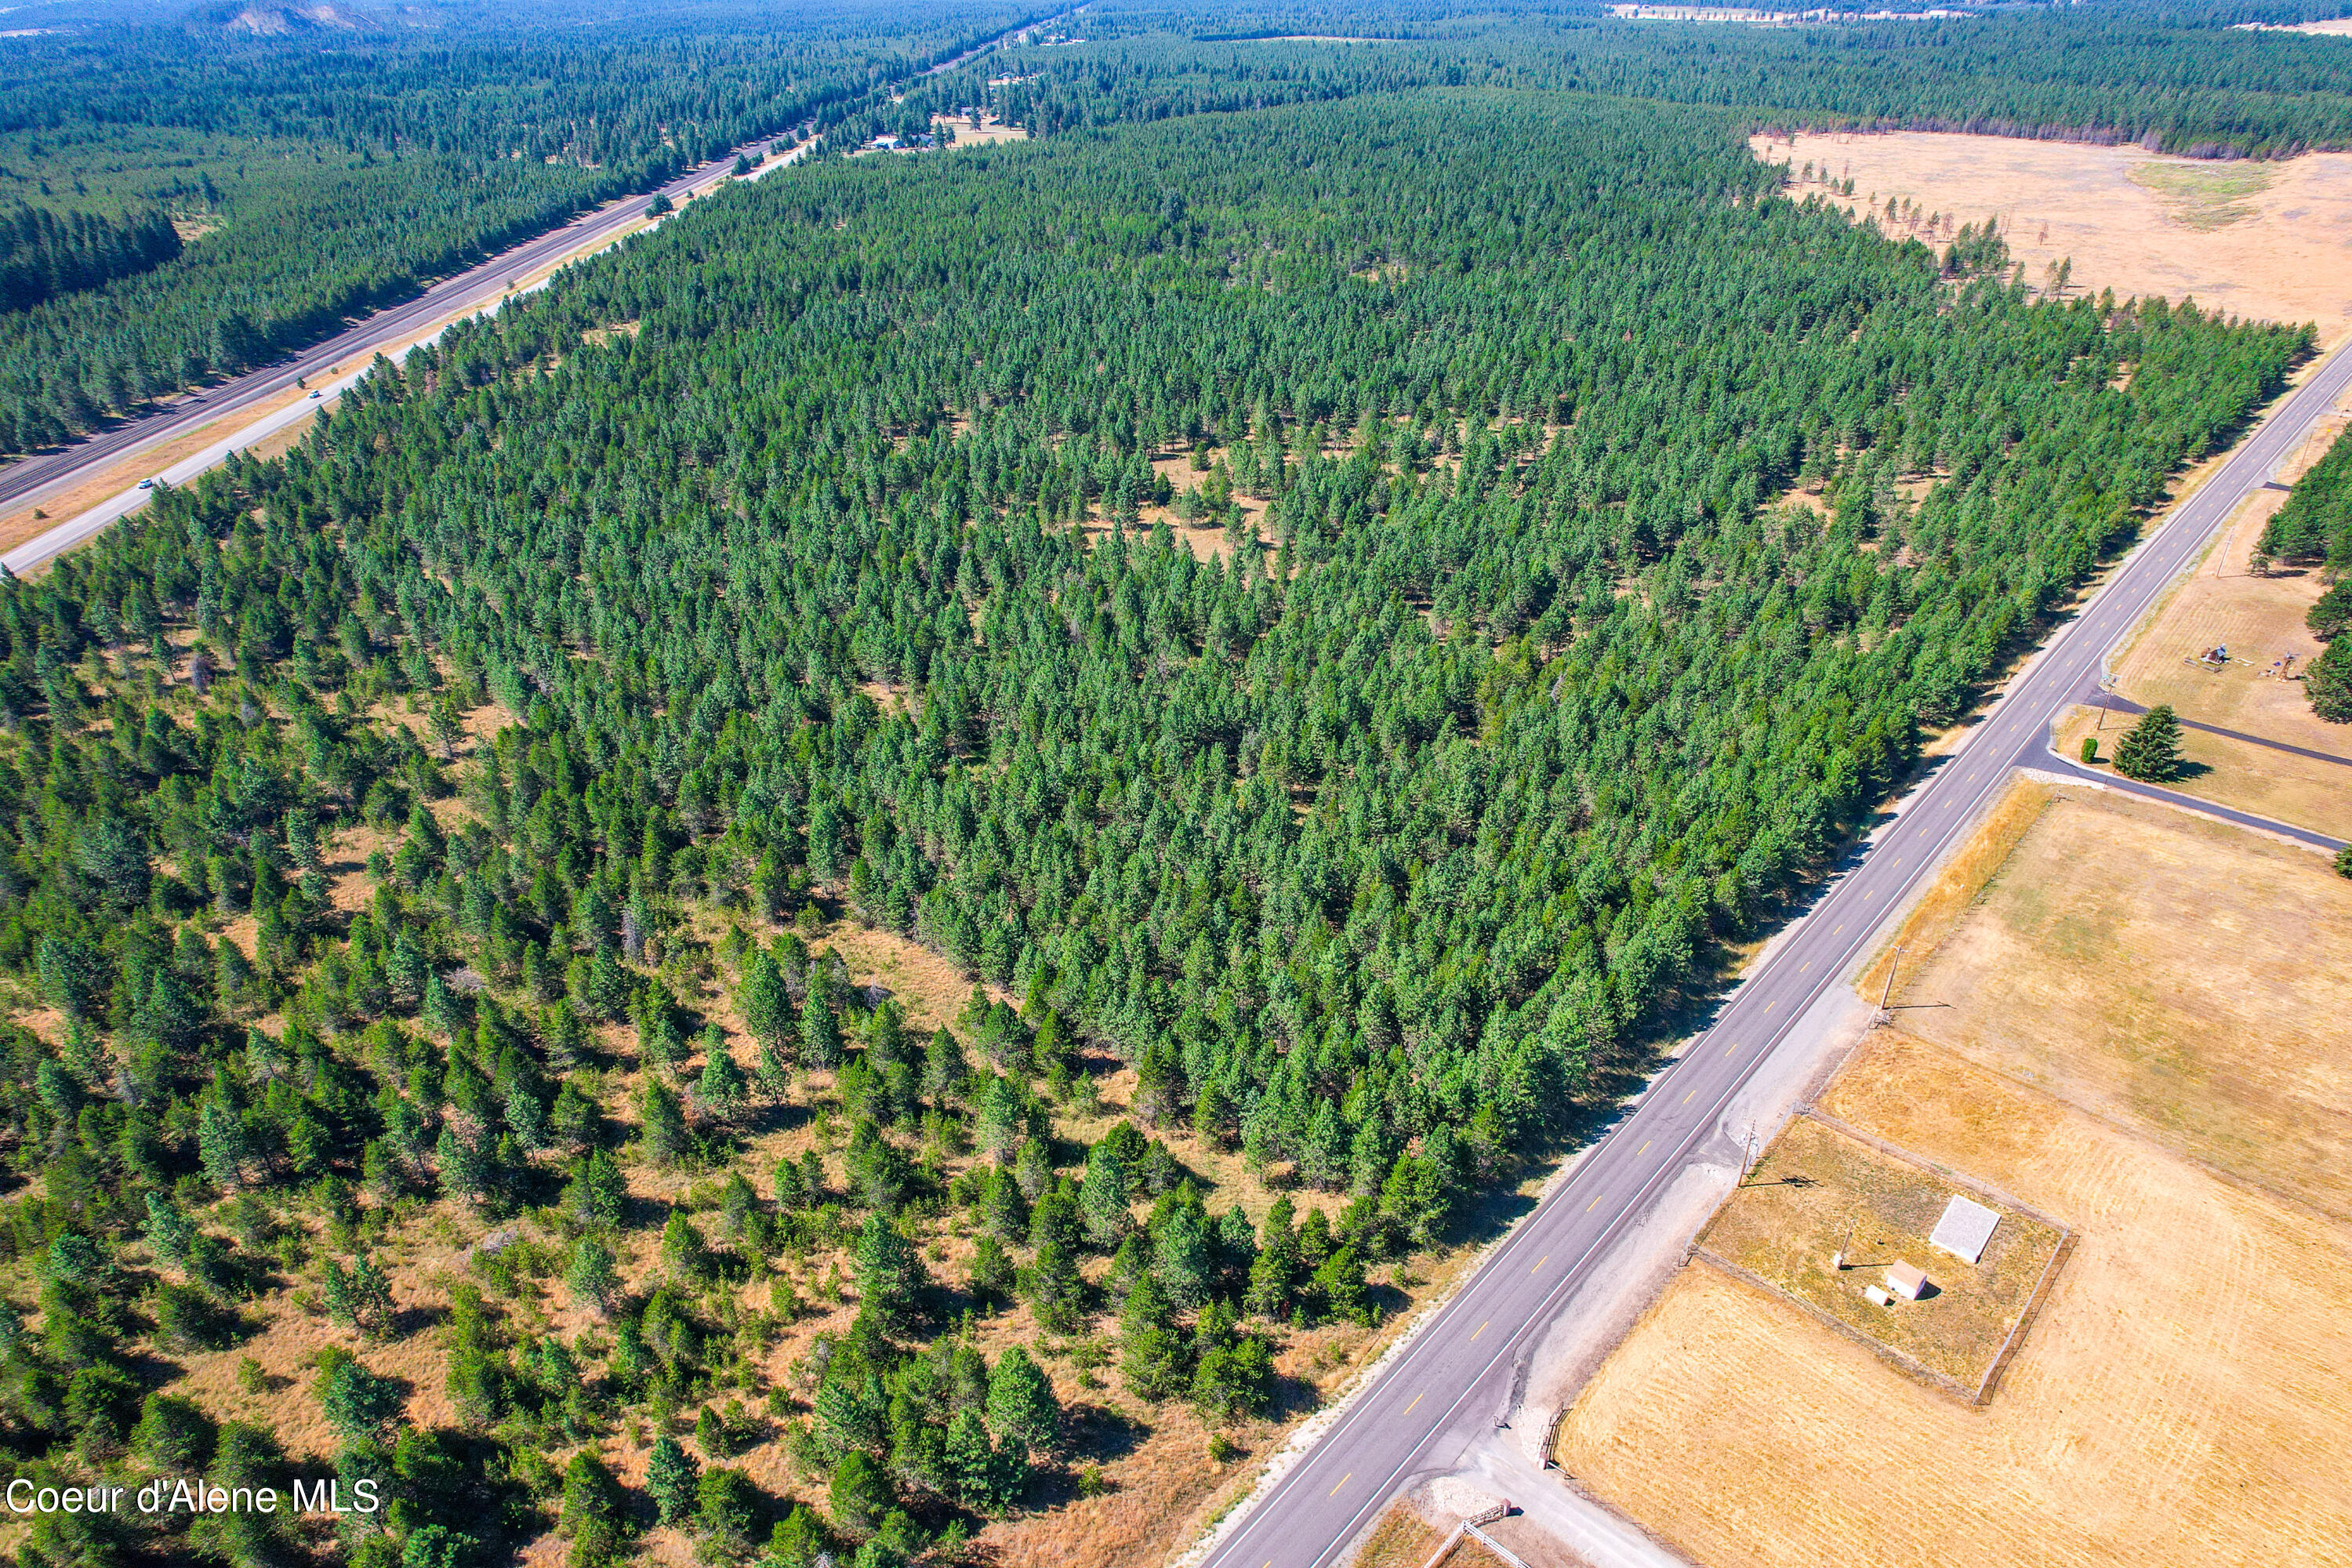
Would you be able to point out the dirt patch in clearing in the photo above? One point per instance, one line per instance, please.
(1824, 1217)
(2176, 1389)
(2129, 220)
(2166, 973)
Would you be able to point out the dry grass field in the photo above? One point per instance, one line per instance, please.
(2174, 975)
(1817, 1193)
(1403, 1539)
(981, 130)
(2278, 784)
(2180, 1400)
(2130, 1022)
(2260, 619)
(2273, 241)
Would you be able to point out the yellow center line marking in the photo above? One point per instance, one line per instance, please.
(1482, 1329)
(1728, 1050)
(1687, 1099)
(1645, 1148)
(1590, 1207)
(1343, 1481)
(1837, 931)
(1424, 1392)
(1540, 1262)
(1802, 967)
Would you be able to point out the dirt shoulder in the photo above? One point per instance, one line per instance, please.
(2121, 1017)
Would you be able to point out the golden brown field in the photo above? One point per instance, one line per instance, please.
(1817, 1193)
(2168, 973)
(2177, 1402)
(2270, 240)
(2134, 1027)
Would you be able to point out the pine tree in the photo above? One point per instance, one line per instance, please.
(464, 1168)
(593, 1276)
(1275, 1273)
(168, 1231)
(2151, 750)
(1102, 1198)
(664, 1131)
(2327, 682)
(1022, 1408)
(220, 1140)
(1152, 1354)
(820, 1033)
(890, 1279)
(720, 1090)
(671, 1476)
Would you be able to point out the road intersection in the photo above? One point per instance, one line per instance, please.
(1448, 1388)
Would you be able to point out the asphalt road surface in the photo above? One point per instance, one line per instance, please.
(31, 480)
(395, 325)
(1454, 1382)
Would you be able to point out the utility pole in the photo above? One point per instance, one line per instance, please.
(1885, 1015)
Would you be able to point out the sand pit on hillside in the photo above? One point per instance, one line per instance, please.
(2270, 240)
(2181, 977)
(2178, 1401)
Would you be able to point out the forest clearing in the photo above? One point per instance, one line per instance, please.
(2110, 1023)
(2270, 240)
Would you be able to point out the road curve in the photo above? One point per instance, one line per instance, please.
(1454, 1380)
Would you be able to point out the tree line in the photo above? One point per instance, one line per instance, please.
(1601, 531)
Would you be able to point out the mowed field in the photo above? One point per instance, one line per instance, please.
(2257, 692)
(2266, 240)
(2136, 1027)
(2177, 974)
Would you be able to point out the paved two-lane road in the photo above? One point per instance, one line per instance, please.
(1454, 1382)
(397, 325)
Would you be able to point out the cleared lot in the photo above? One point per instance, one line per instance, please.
(2136, 1028)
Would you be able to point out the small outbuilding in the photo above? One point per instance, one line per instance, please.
(1906, 1280)
(1966, 1228)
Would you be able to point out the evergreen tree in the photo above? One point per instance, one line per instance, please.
(1022, 1409)
(220, 1140)
(2151, 750)
(662, 1125)
(1102, 1198)
(1152, 1354)
(890, 1277)
(671, 1479)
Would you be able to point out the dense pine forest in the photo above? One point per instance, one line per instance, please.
(325, 176)
(1326, 621)
(2173, 82)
